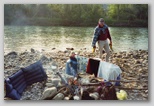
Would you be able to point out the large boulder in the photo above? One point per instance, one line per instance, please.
(49, 92)
(59, 96)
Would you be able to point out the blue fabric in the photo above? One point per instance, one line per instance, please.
(17, 82)
(74, 65)
(116, 84)
(34, 73)
(71, 67)
(21, 87)
(82, 63)
(67, 69)
(97, 33)
(15, 85)
(14, 95)
(14, 76)
(8, 85)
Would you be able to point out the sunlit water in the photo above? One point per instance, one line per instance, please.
(21, 38)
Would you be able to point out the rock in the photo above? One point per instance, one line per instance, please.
(44, 58)
(50, 58)
(12, 53)
(145, 56)
(49, 85)
(141, 60)
(145, 61)
(67, 54)
(59, 96)
(76, 97)
(49, 76)
(43, 50)
(137, 62)
(13, 62)
(49, 81)
(66, 51)
(140, 70)
(49, 92)
(7, 98)
(69, 48)
(69, 77)
(94, 95)
(53, 48)
(56, 81)
(119, 55)
(146, 91)
(66, 98)
(32, 50)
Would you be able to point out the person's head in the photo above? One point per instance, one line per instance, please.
(101, 22)
(72, 54)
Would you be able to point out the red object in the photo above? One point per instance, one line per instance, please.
(104, 36)
(92, 67)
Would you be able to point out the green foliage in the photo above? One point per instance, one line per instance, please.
(75, 14)
(128, 11)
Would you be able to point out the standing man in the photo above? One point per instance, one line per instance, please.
(101, 33)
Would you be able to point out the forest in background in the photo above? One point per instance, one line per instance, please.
(129, 15)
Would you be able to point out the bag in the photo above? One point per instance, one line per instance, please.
(108, 93)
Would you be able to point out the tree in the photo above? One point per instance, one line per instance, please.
(128, 11)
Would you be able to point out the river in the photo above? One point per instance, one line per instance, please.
(21, 38)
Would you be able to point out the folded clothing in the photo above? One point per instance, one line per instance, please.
(105, 70)
(109, 71)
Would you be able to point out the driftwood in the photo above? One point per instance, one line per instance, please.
(119, 87)
(100, 80)
(127, 81)
(91, 84)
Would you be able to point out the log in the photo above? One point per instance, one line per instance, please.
(91, 84)
(127, 81)
(119, 87)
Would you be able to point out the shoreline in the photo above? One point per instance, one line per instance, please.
(134, 65)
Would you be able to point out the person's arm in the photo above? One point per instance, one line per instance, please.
(95, 37)
(108, 36)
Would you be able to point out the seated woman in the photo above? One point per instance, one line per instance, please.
(71, 65)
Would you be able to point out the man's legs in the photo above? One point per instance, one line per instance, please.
(101, 46)
(107, 50)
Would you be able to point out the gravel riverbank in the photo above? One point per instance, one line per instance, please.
(134, 66)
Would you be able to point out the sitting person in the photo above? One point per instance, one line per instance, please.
(71, 65)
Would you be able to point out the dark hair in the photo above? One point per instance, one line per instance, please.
(101, 19)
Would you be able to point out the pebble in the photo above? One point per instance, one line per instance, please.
(66, 98)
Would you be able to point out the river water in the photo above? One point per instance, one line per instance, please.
(21, 38)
